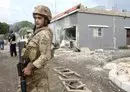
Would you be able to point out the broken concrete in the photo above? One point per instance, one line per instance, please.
(120, 73)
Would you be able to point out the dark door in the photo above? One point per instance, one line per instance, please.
(127, 36)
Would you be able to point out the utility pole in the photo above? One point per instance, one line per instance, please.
(55, 23)
(55, 6)
(114, 28)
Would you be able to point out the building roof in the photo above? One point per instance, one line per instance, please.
(67, 12)
(104, 12)
(80, 8)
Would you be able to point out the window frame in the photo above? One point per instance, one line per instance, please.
(98, 30)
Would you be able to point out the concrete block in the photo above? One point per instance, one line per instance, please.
(117, 82)
(121, 80)
(126, 86)
(112, 75)
(112, 78)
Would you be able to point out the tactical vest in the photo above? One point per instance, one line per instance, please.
(32, 52)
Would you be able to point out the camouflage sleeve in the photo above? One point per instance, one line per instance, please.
(43, 45)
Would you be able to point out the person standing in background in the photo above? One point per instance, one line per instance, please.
(2, 41)
(12, 41)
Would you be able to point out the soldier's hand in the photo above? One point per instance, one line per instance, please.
(27, 71)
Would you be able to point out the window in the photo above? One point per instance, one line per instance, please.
(70, 33)
(98, 32)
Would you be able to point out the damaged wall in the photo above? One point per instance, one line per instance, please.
(59, 25)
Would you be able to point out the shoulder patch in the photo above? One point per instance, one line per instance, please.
(43, 41)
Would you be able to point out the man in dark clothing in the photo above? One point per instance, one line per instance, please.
(1, 41)
(12, 40)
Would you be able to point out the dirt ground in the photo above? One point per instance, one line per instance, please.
(8, 73)
(91, 70)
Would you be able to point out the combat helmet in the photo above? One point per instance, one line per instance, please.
(43, 10)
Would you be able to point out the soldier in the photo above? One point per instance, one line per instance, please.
(38, 50)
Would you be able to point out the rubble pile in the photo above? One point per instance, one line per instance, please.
(97, 57)
(91, 64)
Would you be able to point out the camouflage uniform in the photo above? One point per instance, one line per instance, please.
(38, 50)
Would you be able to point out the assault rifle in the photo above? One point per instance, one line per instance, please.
(20, 66)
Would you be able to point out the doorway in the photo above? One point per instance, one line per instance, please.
(70, 33)
(128, 36)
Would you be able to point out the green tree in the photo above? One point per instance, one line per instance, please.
(18, 25)
(23, 31)
(4, 28)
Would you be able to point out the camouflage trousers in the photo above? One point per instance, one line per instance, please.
(36, 83)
